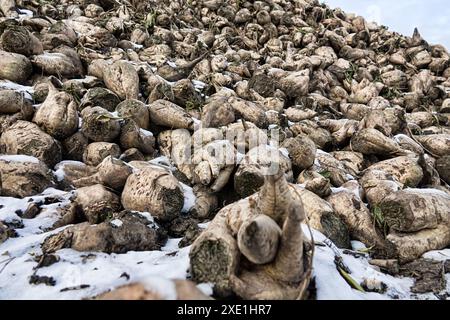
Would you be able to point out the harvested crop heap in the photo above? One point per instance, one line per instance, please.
(128, 124)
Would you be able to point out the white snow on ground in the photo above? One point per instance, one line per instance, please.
(9, 208)
(137, 46)
(340, 189)
(357, 245)
(331, 285)
(206, 288)
(203, 225)
(86, 79)
(100, 271)
(438, 255)
(85, 274)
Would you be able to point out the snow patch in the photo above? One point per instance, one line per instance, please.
(52, 56)
(24, 13)
(171, 63)
(357, 245)
(203, 225)
(172, 245)
(151, 220)
(60, 173)
(80, 274)
(87, 274)
(164, 162)
(331, 285)
(198, 85)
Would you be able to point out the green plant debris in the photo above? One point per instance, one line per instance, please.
(352, 282)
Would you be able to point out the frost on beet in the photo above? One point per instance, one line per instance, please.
(279, 149)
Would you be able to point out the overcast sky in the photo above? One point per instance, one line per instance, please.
(431, 17)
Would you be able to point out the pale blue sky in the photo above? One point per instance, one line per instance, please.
(432, 17)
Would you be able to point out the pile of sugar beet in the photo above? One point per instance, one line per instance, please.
(129, 105)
